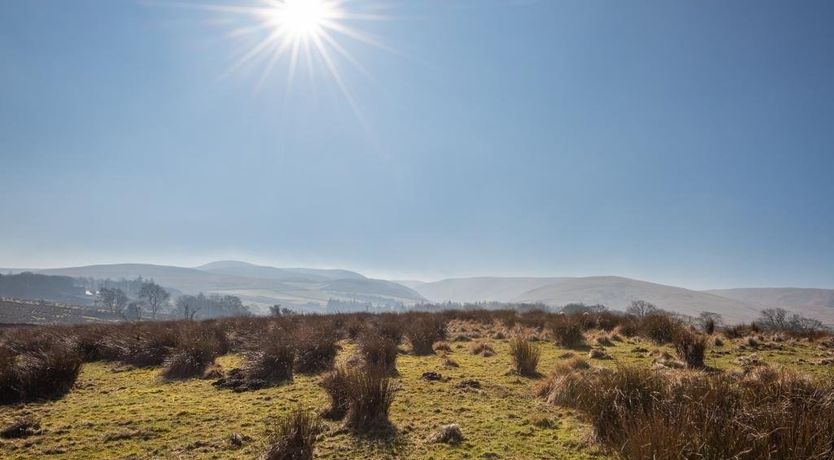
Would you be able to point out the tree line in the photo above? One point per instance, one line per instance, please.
(153, 299)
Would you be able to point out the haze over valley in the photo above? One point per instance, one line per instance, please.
(334, 290)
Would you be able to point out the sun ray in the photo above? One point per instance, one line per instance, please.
(309, 36)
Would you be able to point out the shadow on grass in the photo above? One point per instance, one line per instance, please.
(384, 439)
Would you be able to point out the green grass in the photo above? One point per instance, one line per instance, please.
(135, 414)
(799, 355)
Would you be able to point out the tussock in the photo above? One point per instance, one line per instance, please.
(292, 437)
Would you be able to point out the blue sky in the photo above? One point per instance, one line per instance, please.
(689, 143)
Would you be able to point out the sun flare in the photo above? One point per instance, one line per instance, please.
(301, 19)
(309, 37)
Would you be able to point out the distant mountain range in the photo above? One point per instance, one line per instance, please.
(735, 305)
(262, 286)
(311, 289)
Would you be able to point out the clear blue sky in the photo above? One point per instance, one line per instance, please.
(689, 143)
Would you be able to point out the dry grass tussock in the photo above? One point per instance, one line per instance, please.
(760, 414)
(525, 355)
(481, 348)
(292, 437)
(45, 371)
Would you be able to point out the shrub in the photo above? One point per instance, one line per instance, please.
(629, 327)
(315, 349)
(48, 372)
(195, 351)
(390, 326)
(379, 351)
(8, 371)
(608, 321)
(273, 360)
(506, 317)
(691, 349)
(660, 327)
(525, 355)
(89, 340)
(423, 331)
(709, 326)
(567, 331)
(370, 393)
(140, 346)
(292, 437)
(738, 331)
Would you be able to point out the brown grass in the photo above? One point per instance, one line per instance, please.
(640, 413)
(525, 356)
(292, 437)
(369, 392)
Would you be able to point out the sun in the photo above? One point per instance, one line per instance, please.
(309, 36)
(301, 19)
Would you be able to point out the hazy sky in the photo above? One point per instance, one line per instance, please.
(689, 143)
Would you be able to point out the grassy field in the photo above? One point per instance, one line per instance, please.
(115, 411)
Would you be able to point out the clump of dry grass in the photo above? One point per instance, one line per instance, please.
(21, 428)
(691, 349)
(448, 362)
(423, 331)
(369, 392)
(598, 353)
(761, 414)
(292, 437)
(481, 348)
(660, 327)
(378, 351)
(388, 325)
(572, 363)
(441, 346)
(525, 356)
(43, 371)
(315, 347)
(567, 331)
(195, 351)
(273, 359)
(603, 341)
(335, 384)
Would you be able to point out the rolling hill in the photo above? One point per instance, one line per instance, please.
(236, 268)
(311, 289)
(816, 303)
(302, 288)
(617, 293)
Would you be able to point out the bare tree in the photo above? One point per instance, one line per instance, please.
(775, 319)
(134, 311)
(188, 306)
(709, 321)
(778, 319)
(155, 296)
(113, 299)
(641, 308)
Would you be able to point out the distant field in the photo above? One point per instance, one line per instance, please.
(42, 312)
(118, 411)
